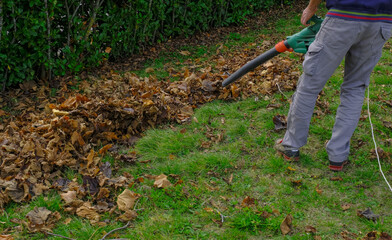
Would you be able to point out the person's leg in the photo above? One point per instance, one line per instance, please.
(359, 63)
(324, 55)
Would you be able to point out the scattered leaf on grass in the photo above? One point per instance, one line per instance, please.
(126, 200)
(370, 236)
(129, 215)
(185, 53)
(318, 190)
(291, 169)
(381, 153)
(208, 209)
(248, 201)
(310, 229)
(286, 225)
(368, 214)
(67, 221)
(345, 206)
(387, 124)
(336, 178)
(296, 183)
(385, 236)
(348, 235)
(149, 70)
(280, 122)
(6, 237)
(162, 182)
(108, 50)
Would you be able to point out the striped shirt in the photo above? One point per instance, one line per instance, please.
(359, 16)
(361, 10)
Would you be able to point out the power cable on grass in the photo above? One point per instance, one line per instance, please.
(374, 140)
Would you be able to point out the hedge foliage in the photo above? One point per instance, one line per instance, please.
(45, 38)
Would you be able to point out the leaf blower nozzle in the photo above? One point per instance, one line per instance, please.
(298, 42)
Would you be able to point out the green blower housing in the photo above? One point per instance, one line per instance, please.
(298, 42)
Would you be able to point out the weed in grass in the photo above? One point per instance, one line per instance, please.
(249, 220)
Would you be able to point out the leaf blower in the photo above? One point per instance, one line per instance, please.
(298, 42)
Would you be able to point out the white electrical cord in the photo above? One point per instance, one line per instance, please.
(374, 140)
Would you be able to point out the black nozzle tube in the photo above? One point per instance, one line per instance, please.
(250, 66)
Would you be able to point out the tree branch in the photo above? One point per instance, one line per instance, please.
(1, 18)
(49, 41)
(98, 4)
(117, 229)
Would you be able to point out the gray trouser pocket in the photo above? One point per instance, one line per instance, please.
(386, 31)
(312, 58)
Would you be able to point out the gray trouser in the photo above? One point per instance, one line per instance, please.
(361, 44)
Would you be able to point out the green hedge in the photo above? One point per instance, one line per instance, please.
(45, 38)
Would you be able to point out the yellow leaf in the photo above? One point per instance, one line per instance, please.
(208, 209)
(104, 149)
(291, 169)
(185, 53)
(108, 50)
(59, 113)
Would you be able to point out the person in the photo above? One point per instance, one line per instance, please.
(352, 29)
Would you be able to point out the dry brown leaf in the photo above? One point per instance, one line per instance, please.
(280, 122)
(248, 201)
(208, 209)
(38, 216)
(108, 50)
(59, 112)
(235, 92)
(42, 219)
(385, 236)
(368, 214)
(286, 225)
(67, 221)
(318, 190)
(268, 64)
(185, 53)
(336, 178)
(87, 211)
(345, 206)
(105, 148)
(370, 236)
(17, 192)
(6, 237)
(296, 183)
(129, 215)
(149, 70)
(162, 182)
(103, 193)
(126, 200)
(310, 229)
(69, 196)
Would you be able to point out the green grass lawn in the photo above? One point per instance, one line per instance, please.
(228, 181)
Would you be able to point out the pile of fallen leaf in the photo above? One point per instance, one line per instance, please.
(75, 130)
